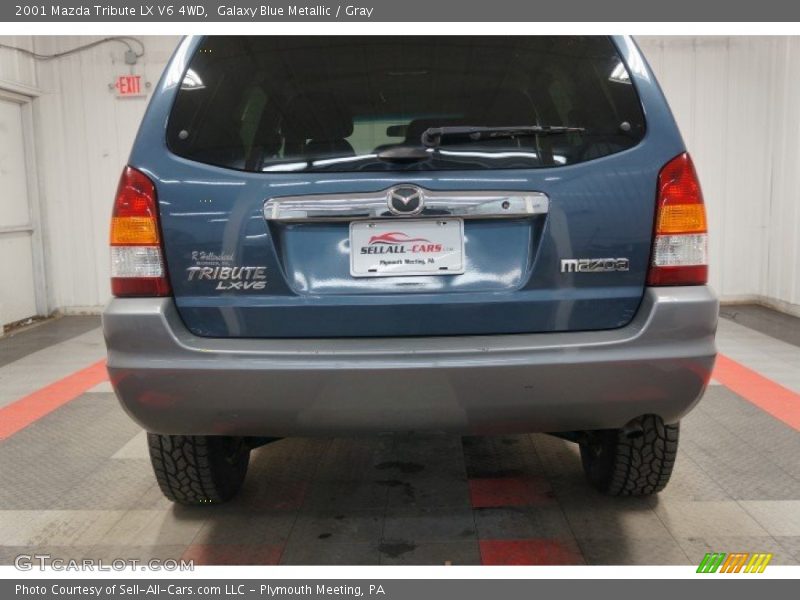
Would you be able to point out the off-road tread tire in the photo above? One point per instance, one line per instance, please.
(196, 470)
(638, 466)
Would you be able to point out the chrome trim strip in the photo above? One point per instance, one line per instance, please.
(375, 205)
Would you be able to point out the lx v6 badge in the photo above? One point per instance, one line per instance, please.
(231, 278)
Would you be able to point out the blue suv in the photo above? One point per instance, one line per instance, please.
(355, 235)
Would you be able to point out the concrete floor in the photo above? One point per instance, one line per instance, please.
(76, 481)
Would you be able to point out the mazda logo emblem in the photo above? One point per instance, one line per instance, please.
(406, 200)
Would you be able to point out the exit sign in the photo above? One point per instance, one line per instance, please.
(129, 86)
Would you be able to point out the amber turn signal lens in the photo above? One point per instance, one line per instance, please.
(681, 218)
(138, 231)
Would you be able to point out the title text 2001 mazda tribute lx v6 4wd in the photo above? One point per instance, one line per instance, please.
(350, 235)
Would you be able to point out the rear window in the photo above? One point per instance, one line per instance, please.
(287, 104)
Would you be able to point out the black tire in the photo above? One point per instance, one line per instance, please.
(199, 469)
(631, 462)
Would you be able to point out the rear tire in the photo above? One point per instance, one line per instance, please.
(200, 469)
(636, 461)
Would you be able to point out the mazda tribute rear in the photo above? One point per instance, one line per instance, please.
(338, 235)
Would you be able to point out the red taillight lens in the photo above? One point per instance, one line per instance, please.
(137, 263)
(680, 244)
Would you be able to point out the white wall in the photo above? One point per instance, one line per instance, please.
(21, 257)
(85, 135)
(17, 69)
(781, 278)
(83, 138)
(737, 101)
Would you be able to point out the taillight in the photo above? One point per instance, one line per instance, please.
(137, 264)
(680, 245)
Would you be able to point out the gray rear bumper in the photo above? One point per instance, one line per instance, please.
(171, 381)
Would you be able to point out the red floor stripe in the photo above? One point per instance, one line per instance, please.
(28, 409)
(782, 403)
(491, 492)
(529, 552)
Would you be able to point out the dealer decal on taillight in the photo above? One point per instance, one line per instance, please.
(680, 243)
(137, 263)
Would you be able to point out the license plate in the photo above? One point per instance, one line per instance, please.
(400, 248)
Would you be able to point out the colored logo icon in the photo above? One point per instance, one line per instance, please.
(736, 562)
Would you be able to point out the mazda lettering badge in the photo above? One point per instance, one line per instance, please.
(406, 200)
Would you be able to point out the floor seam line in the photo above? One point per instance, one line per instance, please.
(752, 516)
(385, 509)
(469, 497)
(300, 508)
(764, 455)
(564, 513)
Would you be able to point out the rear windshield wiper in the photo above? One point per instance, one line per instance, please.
(432, 136)
(404, 154)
